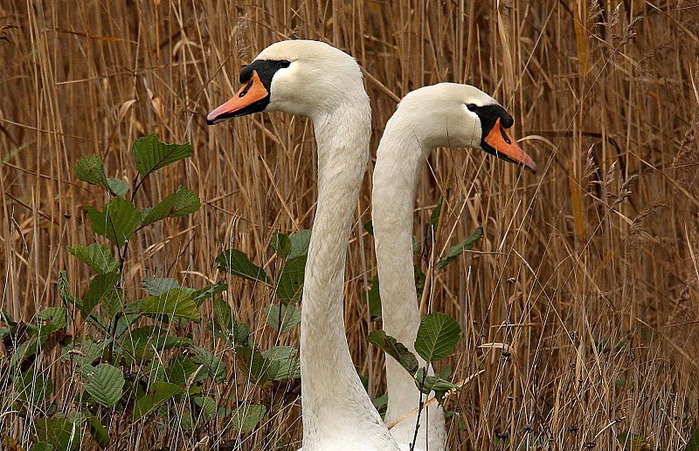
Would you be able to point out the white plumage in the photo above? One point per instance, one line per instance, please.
(326, 85)
(443, 115)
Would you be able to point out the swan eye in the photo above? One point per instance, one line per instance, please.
(284, 63)
(472, 107)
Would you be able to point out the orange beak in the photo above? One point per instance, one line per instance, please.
(248, 99)
(506, 147)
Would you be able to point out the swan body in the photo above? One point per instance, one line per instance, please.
(313, 79)
(442, 115)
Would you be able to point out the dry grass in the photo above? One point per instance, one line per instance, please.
(587, 271)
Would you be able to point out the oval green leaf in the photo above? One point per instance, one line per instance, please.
(105, 383)
(436, 337)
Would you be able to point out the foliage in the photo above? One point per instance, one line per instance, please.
(436, 338)
(138, 357)
(460, 248)
(693, 443)
(633, 442)
(395, 349)
(278, 362)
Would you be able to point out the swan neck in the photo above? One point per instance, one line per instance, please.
(335, 403)
(399, 161)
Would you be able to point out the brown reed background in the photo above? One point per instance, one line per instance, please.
(579, 306)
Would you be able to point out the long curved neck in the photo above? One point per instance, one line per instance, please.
(335, 404)
(399, 160)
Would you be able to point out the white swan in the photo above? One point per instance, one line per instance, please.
(313, 79)
(443, 115)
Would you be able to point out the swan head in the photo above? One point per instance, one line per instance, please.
(300, 77)
(461, 116)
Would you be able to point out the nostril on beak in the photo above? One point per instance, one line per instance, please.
(246, 89)
(504, 135)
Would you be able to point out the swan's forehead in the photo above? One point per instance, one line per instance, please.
(300, 49)
(450, 94)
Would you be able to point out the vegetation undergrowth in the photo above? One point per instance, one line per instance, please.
(139, 361)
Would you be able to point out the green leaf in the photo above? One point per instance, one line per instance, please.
(225, 326)
(176, 302)
(117, 222)
(5, 316)
(395, 349)
(460, 248)
(284, 362)
(434, 217)
(83, 353)
(180, 203)
(280, 352)
(105, 383)
(299, 243)
(97, 430)
(24, 351)
(207, 405)
(64, 291)
(56, 316)
(223, 317)
(184, 202)
(155, 287)
(142, 342)
(118, 187)
(253, 364)
(181, 370)
(436, 337)
(187, 422)
(241, 335)
(369, 228)
(282, 318)
(199, 296)
(150, 154)
(693, 443)
(32, 389)
(281, 244)
(59, 432)
(381, 403)
(633, 442)
(237, 263)
(158, 393)
(445, 373)
(427, 384)
(290, 286)
(101, 287)
(215, 368)
(90, 169)
(373, 299)
(420, 278)
(246, 418)
(112, 304)
(96, 256)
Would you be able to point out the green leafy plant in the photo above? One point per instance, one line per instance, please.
(277, 362)
(119, 357)
(436, 338)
